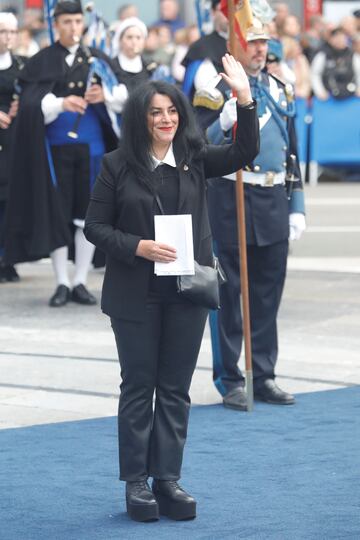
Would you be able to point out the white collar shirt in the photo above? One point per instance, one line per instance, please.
(169, 159)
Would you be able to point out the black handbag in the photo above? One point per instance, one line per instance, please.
(201, 288)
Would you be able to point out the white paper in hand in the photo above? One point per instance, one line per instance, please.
(175, 231)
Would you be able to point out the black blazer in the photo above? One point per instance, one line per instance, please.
(122, 208)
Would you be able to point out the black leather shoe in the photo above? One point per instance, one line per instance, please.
(60, 297)
(236, 399)
(81, 295)
(173, 501)
(269, 392)
(141, 504)
(11, 274)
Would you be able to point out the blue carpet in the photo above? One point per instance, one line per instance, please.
(283, 473)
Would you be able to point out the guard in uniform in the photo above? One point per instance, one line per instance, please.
(273, 201)
(10, 66)
(64, 126)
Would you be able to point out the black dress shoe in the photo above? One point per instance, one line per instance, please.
(11, 274)
(60, 297)
(81, 295)
(173, 501)
(236, 399)
(269, 392)
(141, 504)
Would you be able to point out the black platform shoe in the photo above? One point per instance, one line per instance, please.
(173, 501)
(81, 295)
(60, 297)
(141, 504)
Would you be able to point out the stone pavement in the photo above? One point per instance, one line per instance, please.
(61, 364)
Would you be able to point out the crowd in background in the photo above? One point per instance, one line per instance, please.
(323, 59)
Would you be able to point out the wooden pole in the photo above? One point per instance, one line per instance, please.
(240, 206)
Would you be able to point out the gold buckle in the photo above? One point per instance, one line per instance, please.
(269, 179)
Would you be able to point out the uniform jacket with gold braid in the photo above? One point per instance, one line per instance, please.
(267, 208)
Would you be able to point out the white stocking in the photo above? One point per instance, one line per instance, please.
(84, 252)
(59, 258)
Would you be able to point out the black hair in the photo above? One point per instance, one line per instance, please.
(134, 128)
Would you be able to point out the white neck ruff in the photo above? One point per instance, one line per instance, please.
(132, 65)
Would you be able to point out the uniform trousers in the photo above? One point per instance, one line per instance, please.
(157, 356)
(266, 272)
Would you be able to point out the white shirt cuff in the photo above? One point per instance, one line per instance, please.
(51, 107)
(115, 100)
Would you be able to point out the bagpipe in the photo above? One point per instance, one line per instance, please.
(96, 30)
(97, 66)
(100, 68)
(203, 16)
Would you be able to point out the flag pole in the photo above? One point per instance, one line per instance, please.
(240, 207)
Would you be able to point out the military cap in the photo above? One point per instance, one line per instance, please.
(67, 6)
(257, 31)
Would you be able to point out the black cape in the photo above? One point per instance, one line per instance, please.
(212, 47)
(35, 224)
(8, 91)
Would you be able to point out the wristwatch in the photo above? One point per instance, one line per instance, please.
(248, 105)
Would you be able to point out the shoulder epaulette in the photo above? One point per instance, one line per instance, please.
(210, 98)
(288, 88)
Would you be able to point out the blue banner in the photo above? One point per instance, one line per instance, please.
(335, 136)
(103, 70)
(203, 15)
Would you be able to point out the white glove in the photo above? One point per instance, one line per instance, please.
(228, 115)
(297, 225)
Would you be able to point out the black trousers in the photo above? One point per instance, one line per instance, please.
(2, 223)
(267, 271)
(72, 169)
(156, 356)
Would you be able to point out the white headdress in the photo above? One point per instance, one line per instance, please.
(124, 25)
(8, 19)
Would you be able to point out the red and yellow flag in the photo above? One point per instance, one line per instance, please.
(243, 18)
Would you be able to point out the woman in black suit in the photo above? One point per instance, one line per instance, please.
(158, 334)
